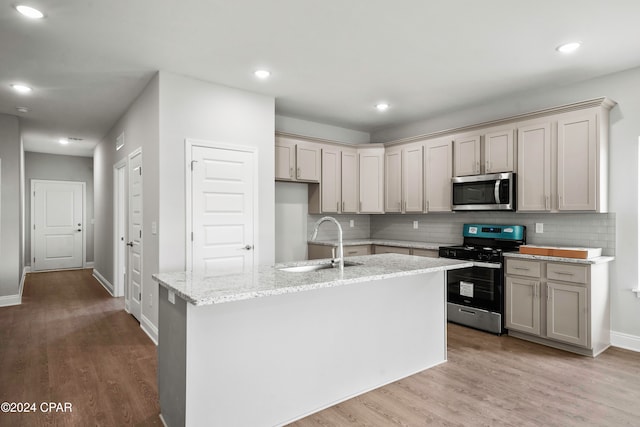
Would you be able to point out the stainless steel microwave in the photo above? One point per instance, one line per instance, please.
(490, 192)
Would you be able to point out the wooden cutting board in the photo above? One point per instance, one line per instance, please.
(559, 251)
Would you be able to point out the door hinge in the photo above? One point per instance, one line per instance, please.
(34, 226)
(139, 296)
(140, 233)
(140, 170)
(192, 162)
(34, 259)
(192, 236)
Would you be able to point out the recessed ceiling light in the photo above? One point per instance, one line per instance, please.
(22, 109)
(382, 106)
(29, 12)
(262, 74)
(568, 47)
(63, 141)
(21, 88)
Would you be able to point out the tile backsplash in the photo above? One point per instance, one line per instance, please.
(559, 229)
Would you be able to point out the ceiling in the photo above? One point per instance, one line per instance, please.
(330, 61)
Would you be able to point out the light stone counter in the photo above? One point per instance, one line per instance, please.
(266, 281)
(383, 242)
(596, 260)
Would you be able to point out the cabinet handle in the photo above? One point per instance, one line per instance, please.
(535, 291)
(400, 206)
(427, 206)
(298, 176)
(547, 205)
(487, 168)
(343, 206)
(564, 273)
(337, 206)
(521, 268)
(405, 206)
(360, 210)
(351, 252)
(478, 166)
(290, 172)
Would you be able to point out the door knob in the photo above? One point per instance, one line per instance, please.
(79, 229)
(130, 244)
(248, 247)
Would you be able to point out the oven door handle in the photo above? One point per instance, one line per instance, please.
(495, 265)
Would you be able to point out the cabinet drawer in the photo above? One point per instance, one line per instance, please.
(567, 272)
(520, 267)
(391, 250)
(357, 250)
(431, 253)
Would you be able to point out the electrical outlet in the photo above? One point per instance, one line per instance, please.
(154, 227)
(539, 227)
(352, 223)
(415, 225)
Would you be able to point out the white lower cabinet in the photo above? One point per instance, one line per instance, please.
(563, 305)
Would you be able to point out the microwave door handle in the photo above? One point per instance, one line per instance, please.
(496, 191)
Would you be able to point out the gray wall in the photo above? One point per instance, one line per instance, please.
(59, 168)
(140, 125)
(11, 234)
(623, 167)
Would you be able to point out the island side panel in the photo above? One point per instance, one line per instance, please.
(269, 361)
(172, 362)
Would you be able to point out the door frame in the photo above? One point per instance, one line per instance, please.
(33, 214)
(120, 201)
(188, 145)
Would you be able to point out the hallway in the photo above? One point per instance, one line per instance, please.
(70, 341)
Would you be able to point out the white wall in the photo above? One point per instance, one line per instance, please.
(59, 168)
(10, 206)
(292, 198)
(623, 167)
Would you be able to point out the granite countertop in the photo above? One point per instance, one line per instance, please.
(266, 281)
(383, 242)
(595, 260)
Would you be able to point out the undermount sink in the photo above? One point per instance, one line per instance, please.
(315, 267)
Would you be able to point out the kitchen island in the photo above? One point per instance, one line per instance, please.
(266, 347)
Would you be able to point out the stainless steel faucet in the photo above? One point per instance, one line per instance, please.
(340, 247)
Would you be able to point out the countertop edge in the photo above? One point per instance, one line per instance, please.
(595, 260)
(383, 242)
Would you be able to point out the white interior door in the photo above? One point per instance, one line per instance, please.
(58, 224)
(134, 266)
(222, 209)
(120, 230)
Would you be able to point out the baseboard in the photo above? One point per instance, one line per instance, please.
(626, 341)
(149, 328)
(104, 282)
(163, 422)
(9, 300)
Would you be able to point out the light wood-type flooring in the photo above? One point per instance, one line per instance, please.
(71, 342)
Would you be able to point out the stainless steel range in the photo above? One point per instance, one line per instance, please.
(475, 295)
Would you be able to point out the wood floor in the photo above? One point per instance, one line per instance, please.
(71, 342)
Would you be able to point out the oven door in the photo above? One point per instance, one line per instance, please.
(479, 286)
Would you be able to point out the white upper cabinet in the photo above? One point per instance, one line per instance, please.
(534, 166)
(438, 160)
(297, 160)
(393, 179)
(466, 155)
(403, 178)
(577, 162)
(371, 179)
(285, 154)
(498, 151)
(349, 180)
(331, 180)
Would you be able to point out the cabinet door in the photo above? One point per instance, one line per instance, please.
(430, 253)
(371, 180)
(522, 305)
(567, 313)
(330, 183)
(577, 154)
(498, 151)
(349, 181)
(412, 180)
(393, 180)
(534, 167)
(466, 155)
(285, 154)
(438, 172)
(308, 162)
